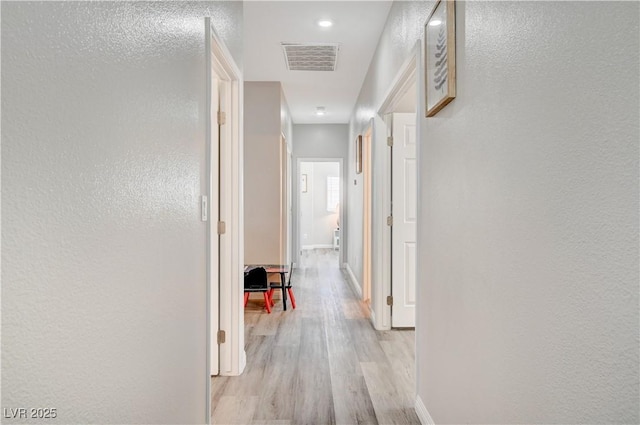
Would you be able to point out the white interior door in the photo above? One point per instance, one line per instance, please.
(404, 210)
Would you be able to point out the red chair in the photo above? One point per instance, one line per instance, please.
(255, 280)
(275, 286)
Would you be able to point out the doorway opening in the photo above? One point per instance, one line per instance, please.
(319, 208)
(221, 206)
(400, 198)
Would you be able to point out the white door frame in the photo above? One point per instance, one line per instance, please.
(406, 76)
(225, 287)
(289, 204)
(285, 217)
(367, 217)
(210, 211)
(340, 212)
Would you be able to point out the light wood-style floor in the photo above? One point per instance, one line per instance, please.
(322, 363)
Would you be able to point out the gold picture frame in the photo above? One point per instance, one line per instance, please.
(359, 154)
(440, 57)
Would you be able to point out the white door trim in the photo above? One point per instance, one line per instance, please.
(367, 216)
(231, 258)
(285, 200)
(381, 232)
(406, 76)
(210, 214)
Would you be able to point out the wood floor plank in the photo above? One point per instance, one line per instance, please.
(354, 309)
(267, 324)
(276, 396)
(388, 399)
(343, 358)
(249, 383)
(235, 410)
(351, 400)
(218, 388)
(312, 392)
(365, 341)
(321, 363)
(289, 329)
(403, 369)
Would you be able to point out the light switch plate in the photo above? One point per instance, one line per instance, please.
(205, 208)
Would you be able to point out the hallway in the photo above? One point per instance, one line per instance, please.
(321, 363)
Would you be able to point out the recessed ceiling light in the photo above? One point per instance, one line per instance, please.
(325, 23)
(435, 23)
(320, 110)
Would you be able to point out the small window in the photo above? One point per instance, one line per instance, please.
(333, 193)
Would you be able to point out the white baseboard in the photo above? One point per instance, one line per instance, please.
(319, 246)
(423, 413)
(354, 282)
(372, 316)
(243, 362)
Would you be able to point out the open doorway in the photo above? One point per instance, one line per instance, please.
(401, 125)
(319, 199)
(221, 204)
(400, 199)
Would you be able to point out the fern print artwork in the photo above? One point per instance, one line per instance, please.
(440, 76)
(440, 56)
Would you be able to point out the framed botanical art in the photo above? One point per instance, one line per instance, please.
(359, 154)
(440, 56)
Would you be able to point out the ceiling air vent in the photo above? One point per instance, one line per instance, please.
(310, 56)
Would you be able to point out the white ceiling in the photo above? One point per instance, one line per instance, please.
(356, 27)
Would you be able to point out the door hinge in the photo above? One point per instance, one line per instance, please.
(390, 220)
(222, 335)
(222, 118)
(390, 141)
(222, 227)
(389, 300)
(204, 207)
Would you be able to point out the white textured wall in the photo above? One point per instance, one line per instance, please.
(320, 141)
(528, 244)
(103, 277)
